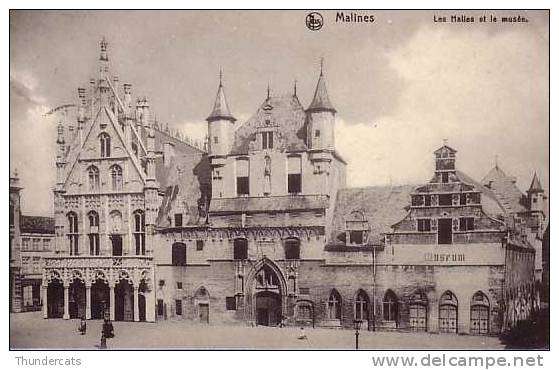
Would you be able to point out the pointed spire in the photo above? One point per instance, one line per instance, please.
(321, 101)
(295, 87)
(268, 91)
(221, 108)
(535, 186)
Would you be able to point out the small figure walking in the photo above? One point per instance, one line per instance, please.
(108, 330)
(302, 334)
(83, 327)
(103, 344)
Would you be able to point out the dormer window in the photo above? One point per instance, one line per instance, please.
(357, 228)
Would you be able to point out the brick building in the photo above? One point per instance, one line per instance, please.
(30, 241)
(259, 227)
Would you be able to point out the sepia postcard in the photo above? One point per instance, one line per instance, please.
(284, 180)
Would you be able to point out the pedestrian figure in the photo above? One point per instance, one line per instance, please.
(103, 344)
(282, 322)
(83, 327)
(302, 334)
(108, 330)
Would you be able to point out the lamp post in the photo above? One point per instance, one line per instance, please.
(357, 326)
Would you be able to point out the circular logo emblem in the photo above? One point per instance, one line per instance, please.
(314, 21)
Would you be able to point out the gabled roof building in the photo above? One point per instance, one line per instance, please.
(259, 227)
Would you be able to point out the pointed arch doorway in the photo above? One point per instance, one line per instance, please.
(268, 289)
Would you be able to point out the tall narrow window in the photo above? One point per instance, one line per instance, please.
(240, 249)
(242, 177)
(390, 306)
(73, 235)
(294, 174)
(334, 305)
(292, 249)
(267, 140)
(362, 306)
(178, 254)
(93, 233)
(140, 232)
(178, 219)
(116, 177)
(466, 223)
(105, 141)
(93, 176)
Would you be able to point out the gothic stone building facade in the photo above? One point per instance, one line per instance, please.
(259, 226)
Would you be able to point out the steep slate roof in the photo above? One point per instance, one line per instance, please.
(382, 206)
(221, 108)
(37, 225)
(504, 187)
(489, 201)
(181, 180)
(321, 101)
(535, 186)
(287, 117)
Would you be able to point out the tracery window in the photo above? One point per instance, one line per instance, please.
(139, 232)
(72, 234)
(93, 176)
(105, 142)
(116, 177)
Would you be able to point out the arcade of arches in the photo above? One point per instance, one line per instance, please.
(116, 294)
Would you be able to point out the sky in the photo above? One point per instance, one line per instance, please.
(401, 85)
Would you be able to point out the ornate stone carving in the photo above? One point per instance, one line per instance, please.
(92, 202)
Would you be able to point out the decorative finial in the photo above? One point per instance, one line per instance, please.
(496, 160)
(268, 97)
(220, 77)
(295, 87)
(321, 64)
(445, 141)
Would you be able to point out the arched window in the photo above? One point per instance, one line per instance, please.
(139, 232)
(178, 254)
(93, 176)
(292, 249)
(362, 306)
(418, 311)
(73, 235)
(240, 249)
(390, 306)
(105, 142)
(479, 314)
(93, 218)
(116, 177)
(448, 313)
(334, 305)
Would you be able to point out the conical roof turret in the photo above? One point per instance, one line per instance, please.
(535, 186)
(321, 101)
(221, 108)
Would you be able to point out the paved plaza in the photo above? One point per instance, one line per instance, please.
(31, 331)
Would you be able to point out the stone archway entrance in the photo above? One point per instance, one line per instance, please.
(55, 300)
(76, 303)
(124, 301)
(99, 299)
(267, 299)
(268, 308)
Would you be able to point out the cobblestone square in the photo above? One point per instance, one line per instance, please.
(30, 331)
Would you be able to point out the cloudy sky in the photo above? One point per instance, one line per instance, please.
(401, 84)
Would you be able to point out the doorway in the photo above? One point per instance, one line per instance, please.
(268, 308)
(204, 313)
